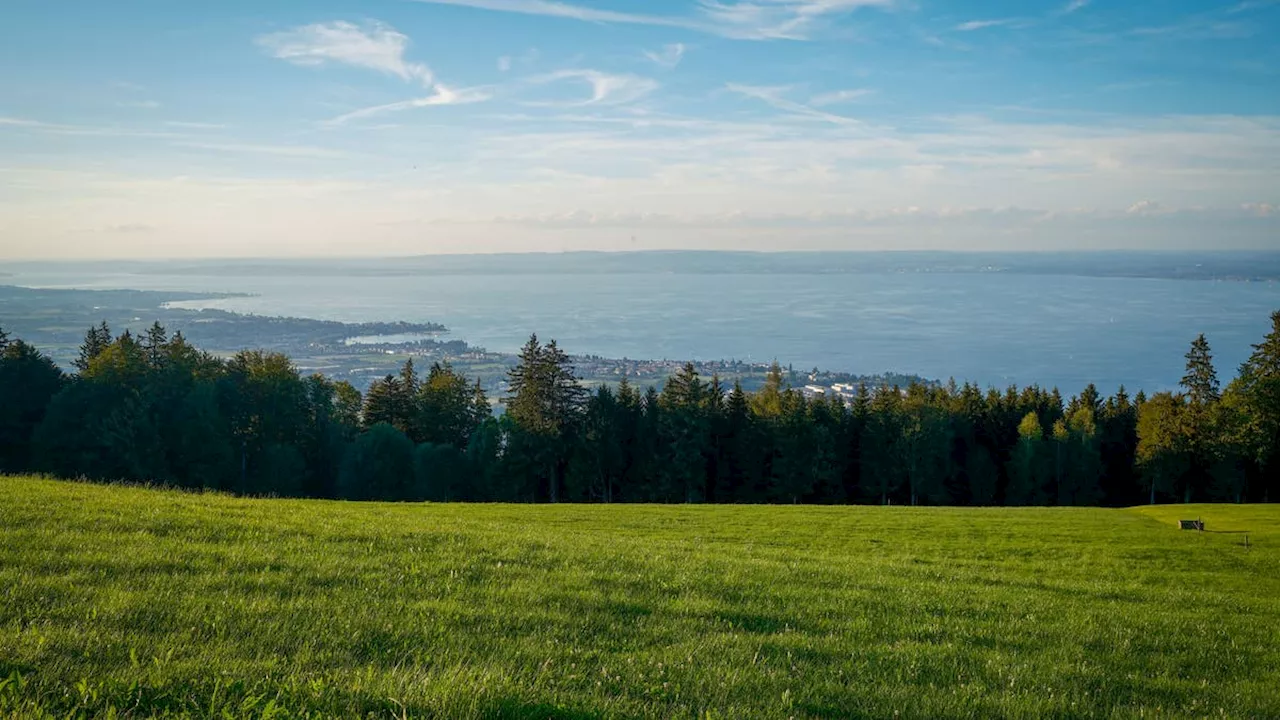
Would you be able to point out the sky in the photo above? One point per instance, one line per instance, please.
(393, 127)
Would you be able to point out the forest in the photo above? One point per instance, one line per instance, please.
(155, 409)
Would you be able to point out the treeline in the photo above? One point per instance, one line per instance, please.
(154, 408)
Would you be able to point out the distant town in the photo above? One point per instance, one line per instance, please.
(56, 319)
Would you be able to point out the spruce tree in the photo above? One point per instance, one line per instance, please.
(153, 344)
(1201, 380)
(1255, 401)
(96, 340)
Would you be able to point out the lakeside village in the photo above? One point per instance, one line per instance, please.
(594, 370)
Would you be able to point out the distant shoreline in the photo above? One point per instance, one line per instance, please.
(1231, 266)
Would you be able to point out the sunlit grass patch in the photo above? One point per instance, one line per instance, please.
(147, 602)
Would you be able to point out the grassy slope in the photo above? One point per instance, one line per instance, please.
(156, 602)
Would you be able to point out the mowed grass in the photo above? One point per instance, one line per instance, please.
(145, 602)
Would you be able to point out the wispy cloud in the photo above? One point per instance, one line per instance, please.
(606, 88)
(1074, 5)
(668, 57)
(774, 96)
(374, 46)
(1197, 29)
(298, 151)
(838, 97)
(39, 126)
(1249, 5)
(443, 96)
(195, 125)
(504, 63)
(744, 19)
(140, 105)
(972, 25)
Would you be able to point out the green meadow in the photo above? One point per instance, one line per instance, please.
(133, 602)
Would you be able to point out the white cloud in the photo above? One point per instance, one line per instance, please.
(38, 126)
(838, 97)
(1074, 5)
(1145, 207)
(744, 19)
(668, 57)
(374, 46)
(504, 63)
(195, 125)
(443, 96)
(774, 96)
(298, 151)
(983, 24)
(606, 88)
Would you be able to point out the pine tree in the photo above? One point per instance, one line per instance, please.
(1255, 402)
(1201, 380)
(383, 404)
(153, 344)
(546, 401)
(96, 340)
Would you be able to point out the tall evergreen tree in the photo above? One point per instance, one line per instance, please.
(96, 339)
(1255, 402)
(1201, 379)
(154, 343)
(546, 401)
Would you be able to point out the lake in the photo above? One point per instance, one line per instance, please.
(991, 328)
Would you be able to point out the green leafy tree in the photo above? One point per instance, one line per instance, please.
(1162, 454)
(925, 443)
(441, 474)
(1255, 404)
(203, 454)
(1079, 484)
(28, 382)
(379, 465)
(448, 408)
(883, 447)
(1027, 466)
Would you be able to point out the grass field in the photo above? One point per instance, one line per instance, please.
(144, 602)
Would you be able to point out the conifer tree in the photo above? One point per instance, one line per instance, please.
(153, 344)
(96, 339)
(1255, 404)
(1201, 380)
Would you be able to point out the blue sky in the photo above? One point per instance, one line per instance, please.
(414, 126)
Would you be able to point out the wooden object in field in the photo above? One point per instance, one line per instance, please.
(1196, 524)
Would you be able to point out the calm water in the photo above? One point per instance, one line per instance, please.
(990, 328)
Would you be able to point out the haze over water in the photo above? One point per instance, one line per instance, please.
(990, 328)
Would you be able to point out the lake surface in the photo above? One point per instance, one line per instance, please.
(992, 328)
